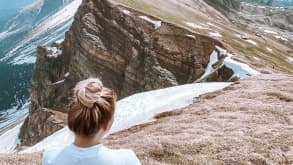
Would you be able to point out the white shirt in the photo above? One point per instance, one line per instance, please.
(95, 155)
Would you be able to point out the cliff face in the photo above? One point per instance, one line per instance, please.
(128, 50)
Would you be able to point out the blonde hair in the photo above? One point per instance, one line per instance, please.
(93, 106)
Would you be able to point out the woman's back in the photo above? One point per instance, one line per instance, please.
(95, 155)
(90, 117)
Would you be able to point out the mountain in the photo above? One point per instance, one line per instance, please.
(19, 28)
(279, 3)
(14, 4)
(47, 21)
(137, 46)
(39, 23)
(5, 15)
(128, 50)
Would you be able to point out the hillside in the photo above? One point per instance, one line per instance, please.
(249, 122)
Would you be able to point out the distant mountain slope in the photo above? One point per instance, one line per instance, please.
(40, 23)
(14, 4)
(5, 15)
(15, 29)
(235, 4)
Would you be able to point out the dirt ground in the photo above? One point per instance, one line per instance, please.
(250, 122)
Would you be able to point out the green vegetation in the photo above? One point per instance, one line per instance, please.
(14, 87)
(277, 59)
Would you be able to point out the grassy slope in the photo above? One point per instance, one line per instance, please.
(258, 55)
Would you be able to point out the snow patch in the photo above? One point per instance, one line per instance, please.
(251, 42)
(256, 58)
(211, 24)
(244, 36)
(195, 26)
(127, 12)
(58, 82)
(136, 109)
(270, 32)
(215, 34)
(190, 35)
(67, 75)
(282, 38)
(59, 41)
(269, 49)
(54, 52)
(240, 70)
(209, 68)
(156, 24)
(290, 59)
(9, 140)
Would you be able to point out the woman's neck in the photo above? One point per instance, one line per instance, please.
(85, 142)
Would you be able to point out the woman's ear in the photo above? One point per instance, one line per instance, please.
(108, 125)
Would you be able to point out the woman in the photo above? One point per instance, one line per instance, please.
(90, 117)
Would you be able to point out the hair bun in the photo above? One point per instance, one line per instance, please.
(88, 92)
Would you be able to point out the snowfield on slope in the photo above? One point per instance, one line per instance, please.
(134, 110)
(51, 29)
(138, 109)
(240, 70)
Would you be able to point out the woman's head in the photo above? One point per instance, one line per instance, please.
(92, 108)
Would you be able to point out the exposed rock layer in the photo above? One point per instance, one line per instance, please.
(40, 124)
(129, 53)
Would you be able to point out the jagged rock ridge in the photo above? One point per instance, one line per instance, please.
(128, 50)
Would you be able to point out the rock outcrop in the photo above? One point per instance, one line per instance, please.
(40, 124)
(128, 50)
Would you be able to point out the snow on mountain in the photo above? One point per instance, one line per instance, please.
(24, 18)
(138, 109)
(134, 110)
(156, 24)
(240, 70)
(53, 28)
(9, 140)
(13, 115)
(45, 30)
(213, 59)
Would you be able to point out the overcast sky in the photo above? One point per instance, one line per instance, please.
(14, 4)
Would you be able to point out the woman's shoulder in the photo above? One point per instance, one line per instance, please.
(50, 154)
(102, 154)
(125, 155)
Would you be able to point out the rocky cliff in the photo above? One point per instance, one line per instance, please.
(128, 50)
